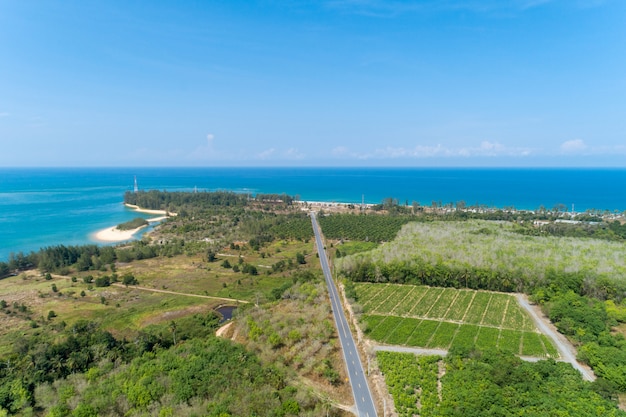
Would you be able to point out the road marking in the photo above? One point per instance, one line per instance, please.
(346, 340)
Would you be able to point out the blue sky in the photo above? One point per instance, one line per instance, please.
(299, 83)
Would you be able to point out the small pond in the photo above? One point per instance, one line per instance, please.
(226, 312)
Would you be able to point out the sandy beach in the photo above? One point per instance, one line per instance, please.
(141, 210)
(113, 234)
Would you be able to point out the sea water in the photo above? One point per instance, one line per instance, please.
(49, 206)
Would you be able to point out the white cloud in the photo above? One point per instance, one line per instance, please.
(579, 147)
(485, 149)
(266, 153)
(573, 146)
(340, 151)
(278, 154)
(205, 152)
(293, 153)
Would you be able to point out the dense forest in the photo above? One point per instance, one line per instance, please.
(183, 201)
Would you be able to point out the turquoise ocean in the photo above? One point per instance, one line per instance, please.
(48, 206)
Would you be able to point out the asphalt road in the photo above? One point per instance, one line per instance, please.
(360, 390)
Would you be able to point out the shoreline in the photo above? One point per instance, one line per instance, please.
(112, 234)
(148, 211)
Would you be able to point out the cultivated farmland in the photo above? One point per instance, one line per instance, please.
(444, 317)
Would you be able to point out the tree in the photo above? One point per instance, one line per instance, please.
(103, 281)
(249, 269)
(275, 340)
(51, 314)
(129, 279)
(4, 269)
(84, 262)
(390, 203)
(173, 329)
(300, 258)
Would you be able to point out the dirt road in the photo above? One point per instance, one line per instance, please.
(232, 300)
(565, 348)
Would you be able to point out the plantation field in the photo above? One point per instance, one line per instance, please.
(444, 335)
(461, 306)
(412, 381)
(491, 384)
(488, 255)
(443, 318)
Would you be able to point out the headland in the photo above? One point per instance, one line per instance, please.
(113, 234)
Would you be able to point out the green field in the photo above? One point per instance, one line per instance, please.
(444, 317)
(445, 335)
(449, 304)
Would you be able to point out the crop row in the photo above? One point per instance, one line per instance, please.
(464, 306)
(444, 335)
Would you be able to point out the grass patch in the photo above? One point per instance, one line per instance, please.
(352, 247)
